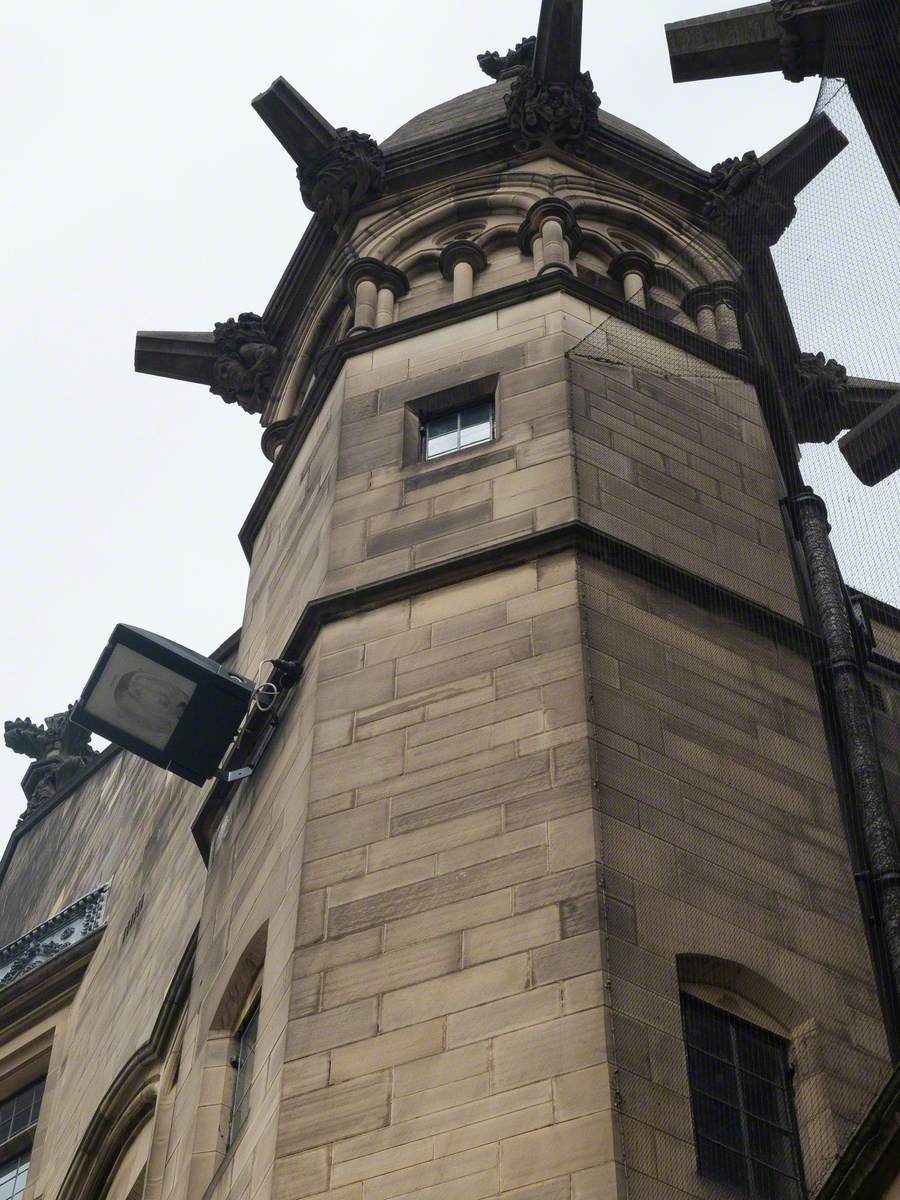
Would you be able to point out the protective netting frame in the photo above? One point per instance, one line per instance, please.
(805, 259)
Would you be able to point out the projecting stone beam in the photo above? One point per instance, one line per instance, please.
(557, 53)
(744, 41)
(803, 155)
(302, 130)
(339, 169)
(872, 448)
(187, 356)
(784, 35)
(237, 361)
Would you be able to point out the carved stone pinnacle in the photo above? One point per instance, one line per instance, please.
(247, 363)
(59, 749)
(347, 175)
(557, 112)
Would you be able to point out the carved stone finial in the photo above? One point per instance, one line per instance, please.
(60, 749)
(247, 362)
(502, 66)
(744, 208)
(540, 111)
(347, 175)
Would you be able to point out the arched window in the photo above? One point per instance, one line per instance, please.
(229, 1061)
(242, 1063)
(126, 1180)
(742, 1035)
(742, 1103)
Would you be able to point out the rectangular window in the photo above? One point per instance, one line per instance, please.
(20, 1111)
(742, 1104)
(458, 430)
(242, 1062)
(14, 1176)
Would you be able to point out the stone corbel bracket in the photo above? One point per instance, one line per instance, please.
(340, 170)
(541, 111)
(551, 99)
(801, 42)
(825, 401)
(237, 361)
(751, 200)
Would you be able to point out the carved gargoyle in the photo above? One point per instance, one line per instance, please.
(557, 112)
(247, 364)
(743, 207)
(348, 175)
(59, 749)
(501, 66)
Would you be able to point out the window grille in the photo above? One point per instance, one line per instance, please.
(458, 430)
(20, 1111)
(742, 1104)
(14, 1176)
(242, 1062)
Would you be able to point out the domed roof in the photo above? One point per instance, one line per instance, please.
(487, 104)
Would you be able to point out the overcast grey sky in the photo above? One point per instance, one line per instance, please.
(143, 192)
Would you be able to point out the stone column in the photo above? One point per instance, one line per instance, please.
(372, 288)
(635, 273)
(727, 326)
(550, 235)
(366, 301)
(460, 262)
(700, 304)
(384, 314)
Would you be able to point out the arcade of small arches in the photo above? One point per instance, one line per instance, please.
(493, 233)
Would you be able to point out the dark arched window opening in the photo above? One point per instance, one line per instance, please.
(742, 1103)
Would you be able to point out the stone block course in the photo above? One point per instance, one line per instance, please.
(506, 806)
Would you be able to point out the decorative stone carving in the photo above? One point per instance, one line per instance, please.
(347, 175)
(53, 937)
(819, 407)
(540, 111)
(825, 376)
(502, 66)
(744, 208)
(247, 362)
(60, 750)
(799, 51)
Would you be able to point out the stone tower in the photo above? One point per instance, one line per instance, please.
(553, 804)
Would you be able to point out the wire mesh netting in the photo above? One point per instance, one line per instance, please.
(746, 1026)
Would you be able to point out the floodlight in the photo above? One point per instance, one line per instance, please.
(163, 702)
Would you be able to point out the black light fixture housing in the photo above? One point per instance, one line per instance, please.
(163, 702)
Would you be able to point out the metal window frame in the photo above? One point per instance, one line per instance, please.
(458, 413)
(239, 1063)
(16, 1160)
(744, 1112)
